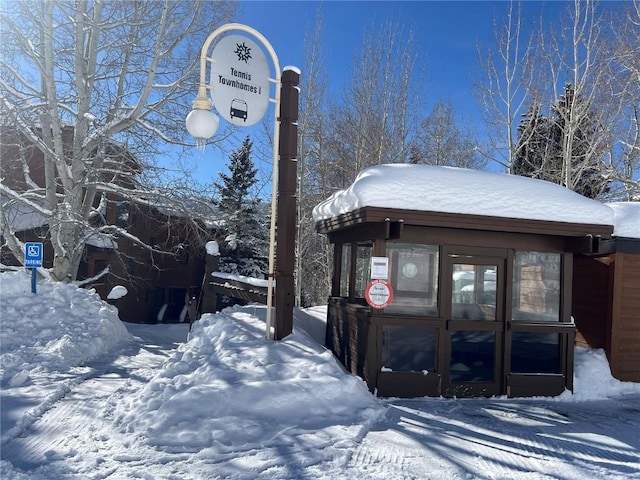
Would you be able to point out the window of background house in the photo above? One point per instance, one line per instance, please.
(99, 266)
(122, 214)
(183, 254)
(413, 272)
(132, 267)
(536, 287)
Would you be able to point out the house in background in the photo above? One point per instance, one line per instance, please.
(159, 285)
(606, 298)
(472, 293)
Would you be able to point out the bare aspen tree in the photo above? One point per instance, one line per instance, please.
(577, 70)
(506, 90)
(376, 117)
(441, 141)
(313, 256)
(84, 82)
(624, 155)
(585, 64)
(372, 122)
(580, 73)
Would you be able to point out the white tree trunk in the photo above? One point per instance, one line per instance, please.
(107, 82)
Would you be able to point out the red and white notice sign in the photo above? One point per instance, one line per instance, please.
(378, 293)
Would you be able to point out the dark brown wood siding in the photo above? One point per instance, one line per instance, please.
(348, 337)
(624, 343)
(590, 305)
(377, 215)
(606, 309)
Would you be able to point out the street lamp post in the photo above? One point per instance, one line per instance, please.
(202, 124)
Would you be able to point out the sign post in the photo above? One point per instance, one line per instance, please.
(239, 83)
(33, 260)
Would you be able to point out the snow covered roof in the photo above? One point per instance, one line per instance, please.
(21, 217)
(256, 282)
(464, 191)
(626, 219)
(194, 208)
(102, 240)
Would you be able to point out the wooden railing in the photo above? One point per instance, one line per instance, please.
(215, 284)
(239, 289)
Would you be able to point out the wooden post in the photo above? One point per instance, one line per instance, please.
(208, 298)
(286, 213)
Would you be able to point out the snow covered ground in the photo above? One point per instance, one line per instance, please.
(86, 397)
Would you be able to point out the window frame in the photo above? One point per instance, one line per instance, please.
(429, 302)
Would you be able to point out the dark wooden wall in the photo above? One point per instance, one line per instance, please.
(590, 305)
(606, 309)
(623, 345)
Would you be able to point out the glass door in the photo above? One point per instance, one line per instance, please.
(475, 326)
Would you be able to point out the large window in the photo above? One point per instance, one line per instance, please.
(535, 352)
(408, 349)
(345, 269)
(536, 287)
(472, 356)
(363, 269)
(473, 294)
(414, 278)
(362, 273)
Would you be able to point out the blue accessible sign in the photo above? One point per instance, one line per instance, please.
(33, 255)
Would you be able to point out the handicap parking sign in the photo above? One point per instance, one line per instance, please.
(33, 255)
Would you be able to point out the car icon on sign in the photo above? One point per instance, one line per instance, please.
(239, 109)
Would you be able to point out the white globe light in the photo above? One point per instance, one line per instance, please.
(202, 123)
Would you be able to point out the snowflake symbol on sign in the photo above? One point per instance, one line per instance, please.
(243, 52)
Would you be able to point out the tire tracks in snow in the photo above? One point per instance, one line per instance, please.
(68, 422)
(444, 439)
(61, 389)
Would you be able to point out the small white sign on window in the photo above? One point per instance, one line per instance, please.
(379, 268)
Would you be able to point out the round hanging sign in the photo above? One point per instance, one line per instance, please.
(378, 293)
(239, 80)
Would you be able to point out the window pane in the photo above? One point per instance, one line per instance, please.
(473, 293)
(414, 277)
(122, 214)
(536, 287)
(472, 356)
(535, 352)
(345, 270)
(409, 349)
(363, 268)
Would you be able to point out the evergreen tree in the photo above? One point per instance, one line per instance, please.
(542, 141)
(573, 117)
(247, 233)
(534, 153)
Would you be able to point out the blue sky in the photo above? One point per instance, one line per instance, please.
(446, 37)
(445, 34)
